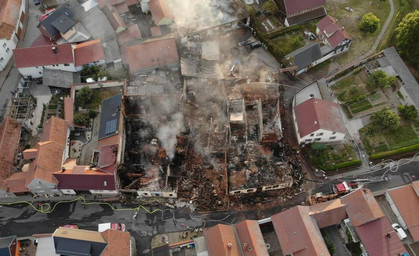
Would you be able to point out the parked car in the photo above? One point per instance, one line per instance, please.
(309, 35)
(115, 226)
(400, 232)
(36, 2)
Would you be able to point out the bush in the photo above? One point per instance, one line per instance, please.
(408, 112)
(92, 114)
(354, 248)
(394, 152)
(52, 106)
(84, 95)
(369, 23)
(81, 118)
(329, 244)
(270, 7)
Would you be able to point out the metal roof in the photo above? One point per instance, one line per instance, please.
(109, 117)
(305, 55)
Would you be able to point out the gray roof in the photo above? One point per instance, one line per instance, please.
(71, 9)
(63, 23)
(60, 78)
(5, 242)
(409, 82)
(109, 116)
(305, 55)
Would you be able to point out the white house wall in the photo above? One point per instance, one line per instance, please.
(6, 52)
(323, 136)
(38, 71)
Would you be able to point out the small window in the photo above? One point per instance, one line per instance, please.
(317, 139)
(40, 72)
(319, 134)
(66, 64)
(311, 135)
(1, 59)
(4, 45)
(307, 140)
(333, 133)
(332, 138)
(105, 183)
(7, 50)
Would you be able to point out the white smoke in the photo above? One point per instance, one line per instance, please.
(168, 131)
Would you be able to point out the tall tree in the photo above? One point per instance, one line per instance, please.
(270, 7)
(407, 37)
(385, 119)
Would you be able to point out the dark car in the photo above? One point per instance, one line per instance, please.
(36, 2)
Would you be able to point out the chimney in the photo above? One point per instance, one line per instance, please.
(315, 122)
(30, 153)
(54, 50)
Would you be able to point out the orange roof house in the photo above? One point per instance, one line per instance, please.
(294, 225)
(328, 213)
(221, 241)
(88, 52)
(152, 54)
(118, 243)
(9, 15)
(362, 207)
(46, 158)
(160, 12)
(251, 239)
(9, 142)
(405, 203)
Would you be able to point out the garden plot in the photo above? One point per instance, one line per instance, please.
(330, 158)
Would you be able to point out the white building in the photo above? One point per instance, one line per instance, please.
(317, 120)
(334, 37)
(32, 61)
(12, 18)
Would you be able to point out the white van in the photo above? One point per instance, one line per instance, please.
(400, 232)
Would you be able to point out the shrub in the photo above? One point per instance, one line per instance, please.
(81, 118)
(369, 23)
(394, 152)
(408, 112)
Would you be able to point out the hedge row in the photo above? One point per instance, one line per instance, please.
(394, 152)
(341, 165)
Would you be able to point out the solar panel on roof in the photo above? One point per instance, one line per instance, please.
(110, 126)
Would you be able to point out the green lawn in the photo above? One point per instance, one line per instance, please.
(289, 42)
(389, 140)
(331, 156)
(360, 106)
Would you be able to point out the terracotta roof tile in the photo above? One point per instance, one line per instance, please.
(373, 237)
(362, 207)
(118, 243)
(315, 114)
(132, 32)
(249, 233)
(69, 111)
(88, 52)
(9, 142)
(159, 10)
(293, 7)
(9, 14)
(16, 182)
(328, 213)
(152, 54)
(55, 129)
(218, 238)
(294, 225)
(407, 202)
(43, 55)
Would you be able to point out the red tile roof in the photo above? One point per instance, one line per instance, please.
(152, 54)
(42, 40)
(9, 143)
(298, 6)
(298, 233)
(330, 29)
(132, 32)
(107, 158)
(251, 239)
(373, 237)
(55, 129)
(362, 207)
(328, 213)
(16, 182)
(9, 14)
(406, 200)
(315, 114)
(69, 111)
(88, 52)
(118, 243)
(83, 178)
(218, 238)
(43, 55)
(159, 10)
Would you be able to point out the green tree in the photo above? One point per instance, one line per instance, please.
(92, 114)
(408, 112)
(84, 96)
(270, 7)
(407, 37)
(381, 79)
(385, 119)
(369, 23)
(81, 118)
